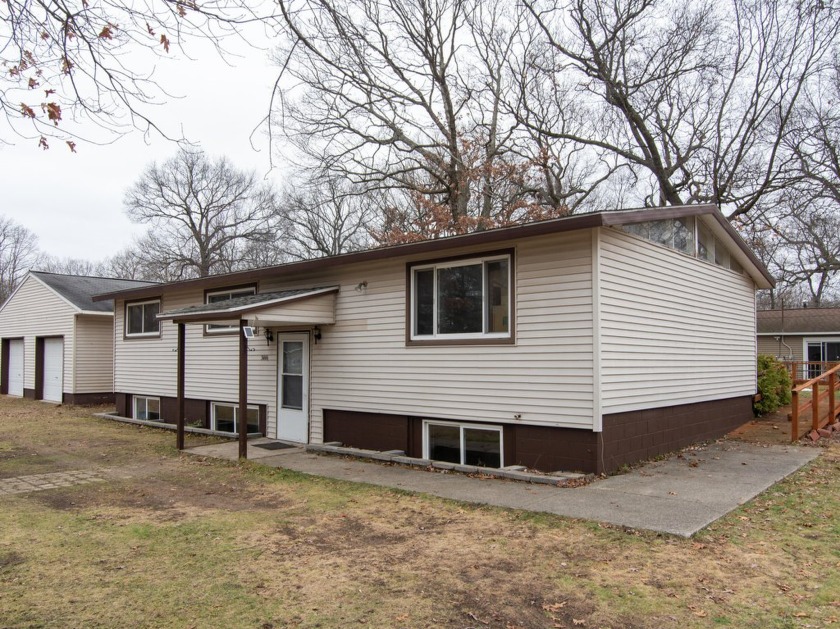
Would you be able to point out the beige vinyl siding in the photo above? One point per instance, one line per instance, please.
(320, 308)
(674, 329)
(792, 346)
(35, 310)
(148, 366)
(94, 350)
(362, 363)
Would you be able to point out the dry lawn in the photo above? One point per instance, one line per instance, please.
(175, 541)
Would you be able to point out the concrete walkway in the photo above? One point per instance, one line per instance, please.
(679, 495)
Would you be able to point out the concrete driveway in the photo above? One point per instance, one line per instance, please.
(679, 495)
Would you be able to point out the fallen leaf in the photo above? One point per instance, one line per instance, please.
(553, 607)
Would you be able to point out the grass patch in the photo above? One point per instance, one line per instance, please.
(176, 541)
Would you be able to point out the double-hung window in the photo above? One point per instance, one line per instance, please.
(462, 299)
(223, 295)
(141, 318)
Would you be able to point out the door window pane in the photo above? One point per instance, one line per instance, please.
(482, 447)
(292, 357)
(291, 380)
(444, 443)
(460, 299)
(292, 391)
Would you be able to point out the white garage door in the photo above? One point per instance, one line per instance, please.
(16, 368)
(53, 369)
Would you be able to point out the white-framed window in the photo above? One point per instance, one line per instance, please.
(141, 318)
(223, 295)
(224, 417)
(463, 443)
(146, 408)
(461, 299)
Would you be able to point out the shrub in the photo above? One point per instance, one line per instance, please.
(773, 385)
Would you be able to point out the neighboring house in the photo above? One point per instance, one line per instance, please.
(800, 334)
(581, 343)
(57, 343)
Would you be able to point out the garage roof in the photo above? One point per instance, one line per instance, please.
(79, 289)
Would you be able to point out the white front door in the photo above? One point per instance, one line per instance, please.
(16, 367)
(293, 387)
(53, 369)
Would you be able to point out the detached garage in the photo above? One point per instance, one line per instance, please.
(56, 344)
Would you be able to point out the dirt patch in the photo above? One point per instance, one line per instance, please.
(167, 490)
(9, 559)
(771, 428)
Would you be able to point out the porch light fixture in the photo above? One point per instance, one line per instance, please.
(316, 334)
(362, 286)
(269, 335)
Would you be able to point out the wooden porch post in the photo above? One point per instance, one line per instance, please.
(243, 391)
(182, 344)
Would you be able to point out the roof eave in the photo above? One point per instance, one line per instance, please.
(761, 276)
(232, 313)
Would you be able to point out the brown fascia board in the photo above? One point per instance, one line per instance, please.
(541, 228)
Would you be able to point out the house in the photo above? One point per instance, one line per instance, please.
(57, 343)
(581, 343)
(800, 334)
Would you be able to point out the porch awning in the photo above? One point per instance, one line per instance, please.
(302, 306)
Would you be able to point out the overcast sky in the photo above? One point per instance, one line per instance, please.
(73, 202)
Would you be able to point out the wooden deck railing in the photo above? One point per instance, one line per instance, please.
(823, 389)
(802, 370)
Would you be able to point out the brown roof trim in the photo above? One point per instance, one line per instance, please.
(541, 228)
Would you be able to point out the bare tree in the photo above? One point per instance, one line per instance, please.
(18, 253)
(803, 220)
(68, 62)
(408, 96)
(71, 266)
(203, 215)
(694, 99)
(327, 219)
(127, 265)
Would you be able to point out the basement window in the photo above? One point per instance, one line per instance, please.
(464, 444)
(224, 417)
(147, 408)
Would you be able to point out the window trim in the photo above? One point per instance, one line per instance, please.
(141, 335)
(462, 426)
(235, 407)
(134, 400)
(509, 338)
(224, 329)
